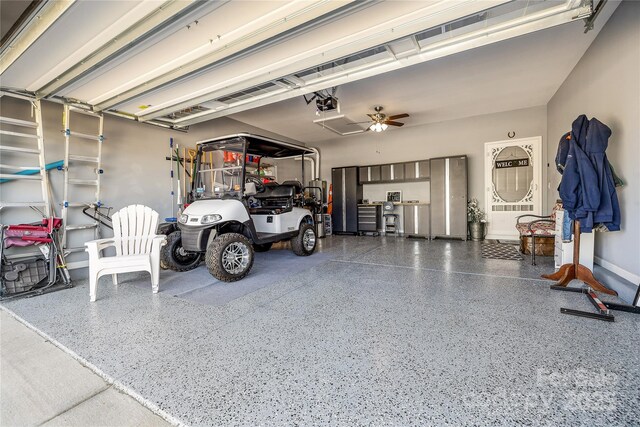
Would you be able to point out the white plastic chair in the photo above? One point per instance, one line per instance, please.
(137, 247)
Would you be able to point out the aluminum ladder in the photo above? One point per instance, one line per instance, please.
(20, 142)
(73, 184)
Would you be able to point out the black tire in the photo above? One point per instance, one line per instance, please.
(175, 258)
(262, 247)
(302, 246)
(223, 246)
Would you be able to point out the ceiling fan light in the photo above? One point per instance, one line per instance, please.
(384, 126)
(372, 127)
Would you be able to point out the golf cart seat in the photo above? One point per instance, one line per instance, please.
(297, 186)
(274, 200)
(275, 192)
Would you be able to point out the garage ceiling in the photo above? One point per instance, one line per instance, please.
(178, 63)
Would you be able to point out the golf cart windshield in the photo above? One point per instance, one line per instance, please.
(225, 164)
(220, 170)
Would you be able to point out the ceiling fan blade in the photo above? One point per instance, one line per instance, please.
(372, 116)
(392, 123)
(398, 116)
(359, 123)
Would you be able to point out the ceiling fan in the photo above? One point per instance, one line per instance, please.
(381, 121)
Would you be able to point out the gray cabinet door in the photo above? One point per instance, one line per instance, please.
(375, 173)
(423, 169)
(424, 225)
(458, 197)
(410, 170)
(363, 174)
(408, 216)
(353, 192)
(398, 172)
(338, 213)
(438, 227)
(385, 173)
(416, 220)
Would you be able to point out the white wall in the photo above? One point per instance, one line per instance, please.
(410, 191)
(606, 84)
(456, 137)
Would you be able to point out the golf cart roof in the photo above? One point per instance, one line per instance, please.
(262, 146)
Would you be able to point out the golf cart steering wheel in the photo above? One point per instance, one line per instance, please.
(257, 182)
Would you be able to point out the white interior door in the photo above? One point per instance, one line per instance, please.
(513, 182)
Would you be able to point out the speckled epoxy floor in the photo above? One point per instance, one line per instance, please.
(386, 332)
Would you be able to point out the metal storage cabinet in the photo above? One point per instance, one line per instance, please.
(423, 169)
(410, 170)
(337, 217)
(416, 220)
(437, 198)
(385, 173)
(375, 173)
(398, 172)
(347, 193)
(416, 170)
(449, 197)
(458, 197)
(363, 174)
(369, 218)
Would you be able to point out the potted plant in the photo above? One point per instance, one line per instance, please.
(477, 219)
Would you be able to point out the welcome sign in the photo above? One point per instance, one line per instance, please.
(512, 163)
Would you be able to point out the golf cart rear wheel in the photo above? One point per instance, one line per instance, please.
(175, 257)
(305, 242)
(229, 257)
(262, 247)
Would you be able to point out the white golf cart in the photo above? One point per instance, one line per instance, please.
(234, 212)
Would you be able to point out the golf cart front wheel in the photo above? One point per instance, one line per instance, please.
(229, 257)
(305, 242)
(175, 257)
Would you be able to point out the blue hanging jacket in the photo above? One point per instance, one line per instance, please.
(587, 189)
(579, 198)
(597, 141)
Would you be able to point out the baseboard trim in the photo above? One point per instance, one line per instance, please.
(627, 275)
